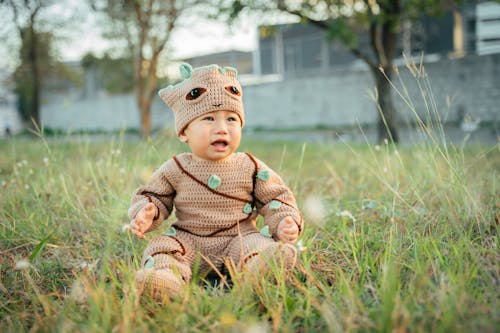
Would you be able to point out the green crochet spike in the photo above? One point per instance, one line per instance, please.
(170, 232)
(150, 262)
(186, 71)
(247, 209)
(214, 181)
(274, 205)
(265, 232)
(263, 175)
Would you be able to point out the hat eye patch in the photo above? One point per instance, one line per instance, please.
(195, 93)
(233, 90)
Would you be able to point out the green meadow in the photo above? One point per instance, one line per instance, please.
(397, 239)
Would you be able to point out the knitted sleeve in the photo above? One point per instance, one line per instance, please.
(159, 191)
(274, 199)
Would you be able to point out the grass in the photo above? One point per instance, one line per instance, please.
(397, 239)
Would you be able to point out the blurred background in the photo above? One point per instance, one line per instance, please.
(313, 70)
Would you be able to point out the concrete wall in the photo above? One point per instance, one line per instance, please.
(465, 86)
(458, 87)
(101, 112)
(10, 119)
(462, 87)
(335, 100)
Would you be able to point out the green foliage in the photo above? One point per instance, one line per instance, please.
(25, 85)
(36, 51)
(338, 29)
(236, 8)
(266, 31)
(116, 75)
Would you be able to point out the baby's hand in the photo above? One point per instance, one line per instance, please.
(288, 231)
(143, 220)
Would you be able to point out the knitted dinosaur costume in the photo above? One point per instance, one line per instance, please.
(215, 202)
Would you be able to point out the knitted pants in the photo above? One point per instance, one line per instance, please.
(168, 261)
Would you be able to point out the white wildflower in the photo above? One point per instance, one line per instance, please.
(22, 265)
(79, 292)
(257, 328)
(31, 172)
(83, 265)
(24, 162)
(469, 125)
(4, 183)
(385, 169)
(46, 161)
(115, 152)
(122, 171)
(26, 187)
(125, 227)
(300, 246)
(368, 204)
(377, 147)
(346, 214)
(315, 210)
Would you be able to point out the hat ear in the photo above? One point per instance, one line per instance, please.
(230, 71)
(170, 93)
(186, 71)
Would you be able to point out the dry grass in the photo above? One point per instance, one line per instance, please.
(396, 240)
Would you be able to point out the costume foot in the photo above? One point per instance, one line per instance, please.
(161, 284)
(279, 255)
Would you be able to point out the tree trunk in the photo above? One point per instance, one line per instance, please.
(144, 105)
(383, 38)
(387, 118)
(145, 120)
(145, 96)
(35, 72)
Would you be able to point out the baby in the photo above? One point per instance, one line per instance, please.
(217, 192)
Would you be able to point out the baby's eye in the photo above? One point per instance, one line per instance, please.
(233, 90)
(195, 93)
(232, 119)
(209, 118)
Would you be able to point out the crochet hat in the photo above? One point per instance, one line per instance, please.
(203, 90)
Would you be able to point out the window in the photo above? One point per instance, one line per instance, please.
(268, 57)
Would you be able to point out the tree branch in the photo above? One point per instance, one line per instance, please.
(325, 26)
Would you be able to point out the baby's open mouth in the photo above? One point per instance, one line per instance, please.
(220, 143)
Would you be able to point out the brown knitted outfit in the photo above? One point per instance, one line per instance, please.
(216, 204)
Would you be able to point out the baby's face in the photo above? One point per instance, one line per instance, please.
(213, 136)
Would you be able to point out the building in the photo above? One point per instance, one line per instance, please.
(243, 61)
(321, 85)
(303, 49)
(296, 79)
(486, 27)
